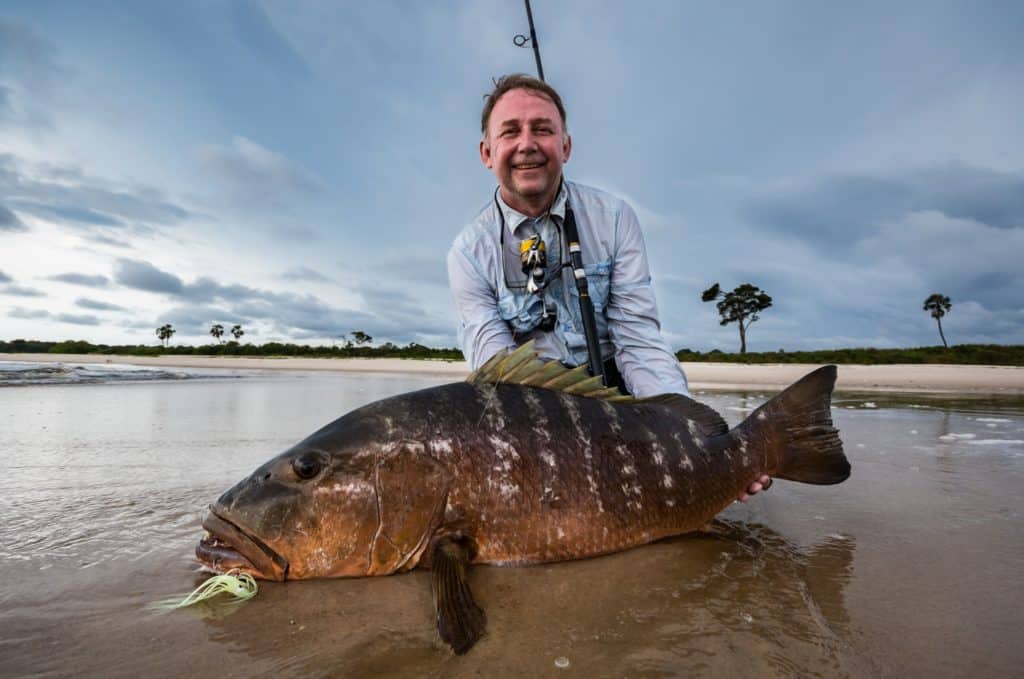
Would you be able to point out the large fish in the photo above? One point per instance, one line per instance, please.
(526, 462)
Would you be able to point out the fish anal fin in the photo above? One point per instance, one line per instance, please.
(460, 621)
(707, 419)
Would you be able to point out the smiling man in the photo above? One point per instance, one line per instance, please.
(508, 269)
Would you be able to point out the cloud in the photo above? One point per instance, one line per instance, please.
(9, 221)
(4, 278)
(97, 305)
(253, 173)
(142, 275)
(838, 211)
(65, 195)
(254, 29)
(302, 273)
(89, 281)
(76, 319)
(20, 291)
(28, 73)
(29, 314)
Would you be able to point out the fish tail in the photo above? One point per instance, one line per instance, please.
(802, 444)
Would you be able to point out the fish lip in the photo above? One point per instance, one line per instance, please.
(241, 550)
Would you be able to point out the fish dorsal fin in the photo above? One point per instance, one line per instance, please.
(709, 421)
(524, 366)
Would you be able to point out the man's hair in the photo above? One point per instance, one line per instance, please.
(519, 81)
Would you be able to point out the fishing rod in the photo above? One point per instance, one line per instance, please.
(596, 366)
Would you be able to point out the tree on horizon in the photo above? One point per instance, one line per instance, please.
(237, 332)
(164, 333)
(938, 304)
(217, 331)
(742, 306)
(361, 337)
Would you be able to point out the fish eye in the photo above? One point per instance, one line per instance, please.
(307, 466)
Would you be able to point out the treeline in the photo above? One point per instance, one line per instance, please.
(961, 354)
(386, 350)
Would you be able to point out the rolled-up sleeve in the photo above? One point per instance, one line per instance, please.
(481, 331)
(643, 356)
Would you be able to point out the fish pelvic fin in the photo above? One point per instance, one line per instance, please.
(460, 622)
(796, 426)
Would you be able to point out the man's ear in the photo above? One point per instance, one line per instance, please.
(485, 154)
(566, 148)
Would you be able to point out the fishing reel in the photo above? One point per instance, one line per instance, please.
(533, 255)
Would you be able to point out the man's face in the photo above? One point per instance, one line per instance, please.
(526, 147)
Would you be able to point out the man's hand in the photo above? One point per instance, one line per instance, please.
(763, 483)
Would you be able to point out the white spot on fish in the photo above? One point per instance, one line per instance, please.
(561, 533)
(659, 458)
(629, 470)
(443, 445)
(548, 457)
(507, 490)
(667, 481)
(762, 415)
(685, 463)
(503, 447)
(670, 503)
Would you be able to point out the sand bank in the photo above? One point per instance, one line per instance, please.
(921, 378)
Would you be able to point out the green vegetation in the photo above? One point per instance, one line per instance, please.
(386, 350)
(964, 354)
(741, 306)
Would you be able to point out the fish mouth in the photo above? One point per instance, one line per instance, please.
(226, 546)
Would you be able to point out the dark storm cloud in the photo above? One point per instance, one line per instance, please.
(9, 221)
(142, 275)
(839, 211)
(89, 281)
(97, 305)
(66, 195)
(21, 291)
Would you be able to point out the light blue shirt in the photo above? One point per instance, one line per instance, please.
(496, 312)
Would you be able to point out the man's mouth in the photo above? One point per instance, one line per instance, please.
(528, 166)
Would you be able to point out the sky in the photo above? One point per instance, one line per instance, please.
(301, 168)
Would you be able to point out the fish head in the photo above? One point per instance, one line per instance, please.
(323, 510)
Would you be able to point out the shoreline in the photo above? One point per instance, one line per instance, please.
(935, 378)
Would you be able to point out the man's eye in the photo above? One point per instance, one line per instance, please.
(508, 133)
(543, 130)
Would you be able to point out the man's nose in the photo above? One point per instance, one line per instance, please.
(527, 141)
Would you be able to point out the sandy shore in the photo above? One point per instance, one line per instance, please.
(920, 378)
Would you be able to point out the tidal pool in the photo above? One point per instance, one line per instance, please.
(913, 567)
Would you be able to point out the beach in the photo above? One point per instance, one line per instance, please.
(977, 379)
(109, 471)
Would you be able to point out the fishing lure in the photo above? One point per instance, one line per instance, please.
(242, 586)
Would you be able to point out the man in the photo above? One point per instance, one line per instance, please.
(501, 303)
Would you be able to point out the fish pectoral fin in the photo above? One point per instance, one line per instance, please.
(460, 622)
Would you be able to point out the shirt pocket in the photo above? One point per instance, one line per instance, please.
(598, 282)
(522, 310)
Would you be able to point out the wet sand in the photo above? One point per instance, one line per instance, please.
(723, 376)
(910, 568)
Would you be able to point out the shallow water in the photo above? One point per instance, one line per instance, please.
(912, 567)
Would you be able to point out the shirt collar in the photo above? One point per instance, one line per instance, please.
(514, 219)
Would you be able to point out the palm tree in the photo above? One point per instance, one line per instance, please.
(217, 331)
(237, 332)
(164, 332)
(938, 304)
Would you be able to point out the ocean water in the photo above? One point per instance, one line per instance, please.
(913, 567)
